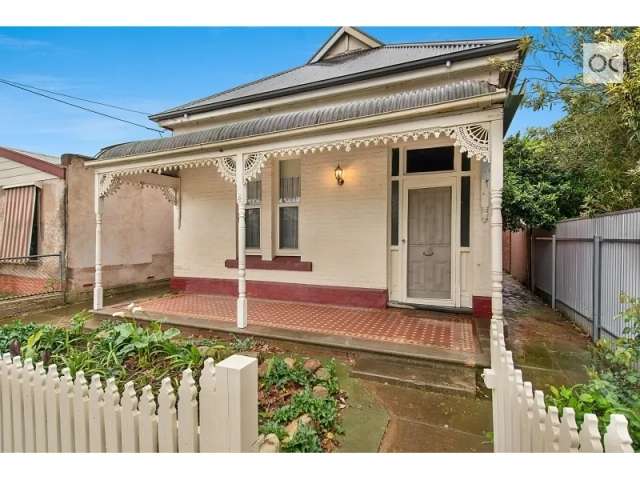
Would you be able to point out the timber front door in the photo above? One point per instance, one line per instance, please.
(428, 244)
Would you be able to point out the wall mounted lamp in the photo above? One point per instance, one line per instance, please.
(338, 174)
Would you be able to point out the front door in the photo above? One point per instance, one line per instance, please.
(428, 243)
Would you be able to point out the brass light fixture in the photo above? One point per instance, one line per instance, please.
(338, 174)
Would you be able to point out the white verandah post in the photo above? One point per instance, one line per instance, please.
(241, 196)
(496, 152)
(97, 284)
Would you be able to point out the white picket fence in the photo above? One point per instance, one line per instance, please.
(47, 412)
(522, 422)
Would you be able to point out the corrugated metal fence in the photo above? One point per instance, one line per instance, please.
(585, 267)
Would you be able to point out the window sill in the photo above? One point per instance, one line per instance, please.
(255, 262)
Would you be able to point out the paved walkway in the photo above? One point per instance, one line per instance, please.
(402, 326)
(548, 348)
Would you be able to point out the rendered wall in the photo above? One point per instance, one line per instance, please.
(137, 235)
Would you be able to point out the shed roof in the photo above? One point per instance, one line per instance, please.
(45, 163)
(306, 118)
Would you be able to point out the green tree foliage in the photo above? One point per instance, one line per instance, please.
(537, 191)
(587, 162)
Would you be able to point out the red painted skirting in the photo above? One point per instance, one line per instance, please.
(255, 262)
(348, 296)
(481, 307)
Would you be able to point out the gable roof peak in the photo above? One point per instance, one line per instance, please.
(345, 40)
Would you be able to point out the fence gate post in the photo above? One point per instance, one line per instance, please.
(595, 303)
(554, 256)
(237, 387)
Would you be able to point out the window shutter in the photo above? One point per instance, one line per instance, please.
(17, 226)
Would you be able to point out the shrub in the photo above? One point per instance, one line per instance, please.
(614, 378)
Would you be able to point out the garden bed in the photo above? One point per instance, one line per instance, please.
(300, 400)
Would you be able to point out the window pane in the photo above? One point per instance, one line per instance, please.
(466, 162)
(252, 221)
(35, 228)
(395, 162)
(288, 227)
(465, 211)
(429, 159)
(289, 180)
(395, 205)
(254, 192)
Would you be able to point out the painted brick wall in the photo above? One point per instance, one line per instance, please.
(342, 228)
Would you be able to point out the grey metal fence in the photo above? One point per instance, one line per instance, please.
(31, 275)
(585, 267)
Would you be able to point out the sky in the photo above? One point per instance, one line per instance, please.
(150, 69)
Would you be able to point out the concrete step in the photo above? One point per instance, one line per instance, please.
(426, 375)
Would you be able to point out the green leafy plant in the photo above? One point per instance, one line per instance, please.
(279, 374)
(146, 355)
(304, 441)
(243, 344)
(614, 384)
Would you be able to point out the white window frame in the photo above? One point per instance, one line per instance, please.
(287, 252)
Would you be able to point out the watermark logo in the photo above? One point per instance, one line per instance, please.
(602, 62)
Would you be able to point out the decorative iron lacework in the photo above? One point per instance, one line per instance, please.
(253, 164)
(110, 183)
(473, 139)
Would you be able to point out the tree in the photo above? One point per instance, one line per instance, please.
(537, 191)
(596, 143)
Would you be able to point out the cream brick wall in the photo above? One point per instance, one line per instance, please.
(343, 229)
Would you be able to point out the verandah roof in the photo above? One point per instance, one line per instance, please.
(306, 118)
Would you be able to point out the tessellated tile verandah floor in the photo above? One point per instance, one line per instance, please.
(454, 332)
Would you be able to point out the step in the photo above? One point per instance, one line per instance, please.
(433, 376)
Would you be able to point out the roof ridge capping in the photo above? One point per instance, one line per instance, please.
(312, 117)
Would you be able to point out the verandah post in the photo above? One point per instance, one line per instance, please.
(97, 284)
(241, 196)
(496, 153)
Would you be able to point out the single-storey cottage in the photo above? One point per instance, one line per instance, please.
(369, 176)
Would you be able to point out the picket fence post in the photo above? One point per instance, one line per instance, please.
(28, 408)
(617, 438)
(97, 439)
(112, 417)
(187, 414)
(211, 415)
(148, 421)
(590, 435)
(67, 443)
(81, 413)
(40, 407)
(167, 418)
(5, 383)
(129, 417)
(569, 438)
(552, 431)
(52, 400)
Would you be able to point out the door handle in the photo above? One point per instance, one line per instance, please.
(428, 254)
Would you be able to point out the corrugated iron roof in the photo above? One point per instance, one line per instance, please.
(341, 69)
(306, 118)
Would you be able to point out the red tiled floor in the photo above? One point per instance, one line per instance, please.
(449, 331)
